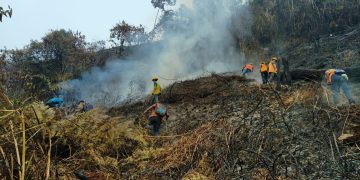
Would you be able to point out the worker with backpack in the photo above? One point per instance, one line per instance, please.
(55, 102)
(336, 78)
(158, 115)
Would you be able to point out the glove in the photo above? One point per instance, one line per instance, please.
(345, 77)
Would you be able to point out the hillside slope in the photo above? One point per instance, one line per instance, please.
(221, 127)
(333, 50)
(227, 127)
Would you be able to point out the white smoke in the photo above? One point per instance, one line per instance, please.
(201, 39)
(187, 3)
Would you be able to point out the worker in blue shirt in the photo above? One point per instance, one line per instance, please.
(55, 102)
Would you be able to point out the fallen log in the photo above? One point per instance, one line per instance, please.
(307, 74)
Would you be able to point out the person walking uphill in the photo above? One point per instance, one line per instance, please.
(264, 72)
(272, 69)
(337, 78)
(156, 91)
(158, 115)
(247, 69)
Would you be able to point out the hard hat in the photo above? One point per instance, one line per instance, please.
(262, 62)
(154, 78)
(274, 58)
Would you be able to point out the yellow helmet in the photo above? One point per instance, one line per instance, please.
(154, 78)
(274, 58)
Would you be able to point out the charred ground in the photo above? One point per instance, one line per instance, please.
(221, 127)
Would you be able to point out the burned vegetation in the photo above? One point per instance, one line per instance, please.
(220, 127)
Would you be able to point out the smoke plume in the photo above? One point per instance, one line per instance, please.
(195, 41)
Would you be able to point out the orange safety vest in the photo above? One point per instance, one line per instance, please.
(249, 66)
(272, 67)
(153, 110)
(263, 67)
(329, 74)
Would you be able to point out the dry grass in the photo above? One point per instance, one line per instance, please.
(56, 146)
(228, 128)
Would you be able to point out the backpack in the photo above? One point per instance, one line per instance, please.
(88, 107)
(160, 110)
(339, 71)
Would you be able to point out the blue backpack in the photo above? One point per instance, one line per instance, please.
(161, 110)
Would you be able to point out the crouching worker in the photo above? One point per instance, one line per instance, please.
(55, 102)
(337, 78)
(248, 68)
(158, 115)
(83, 107)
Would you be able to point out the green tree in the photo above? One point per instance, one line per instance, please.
(5, 12)
(2, 69)
(38, 68)
(65, 52)
(161, 3)
(274, 19)
(124, 34)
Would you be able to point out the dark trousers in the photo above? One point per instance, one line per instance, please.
(272, 77)
(264, 77)
(155, 121)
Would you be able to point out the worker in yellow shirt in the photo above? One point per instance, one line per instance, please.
(156, 91)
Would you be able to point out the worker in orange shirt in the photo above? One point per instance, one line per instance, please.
(264, 72)
(272, 69)
(248, 68)
(337, 78)
(158, 115)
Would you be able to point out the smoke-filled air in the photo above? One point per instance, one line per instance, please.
(181, 89)
(199, 41)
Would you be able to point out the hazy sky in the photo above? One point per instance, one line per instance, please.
(32, 19)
